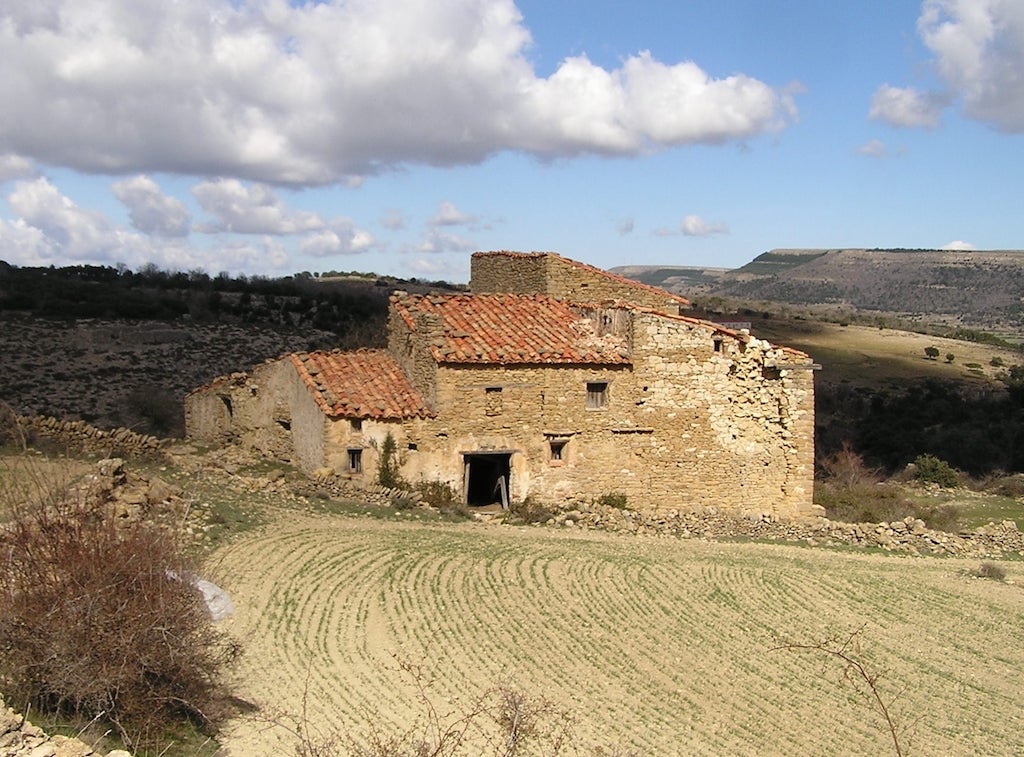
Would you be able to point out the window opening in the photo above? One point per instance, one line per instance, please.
(355, 461)
(557, 450)
(357, 424)
(597, 394)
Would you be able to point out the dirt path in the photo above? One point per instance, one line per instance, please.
(657, 646)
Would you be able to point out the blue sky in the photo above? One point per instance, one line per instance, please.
(398, 136)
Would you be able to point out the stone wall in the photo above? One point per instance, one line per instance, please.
(700, 419)
(269, 410)
(81, 437)
(703, 417)
(509, 272)
(551, 274)
(411, 349)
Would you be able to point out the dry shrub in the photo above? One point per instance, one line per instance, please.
(529, 510)
(846, 469)
(854, 493)
(991, 570)
(503, 721)
(11, 434)
(98, 620)
(1006, 485)
(159, 410)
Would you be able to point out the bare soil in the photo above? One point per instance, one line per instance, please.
(655, 646)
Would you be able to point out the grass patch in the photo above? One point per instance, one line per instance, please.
(978, 511)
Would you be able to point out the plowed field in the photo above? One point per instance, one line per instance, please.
(656, 647)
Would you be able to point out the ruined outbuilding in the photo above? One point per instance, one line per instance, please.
(552, 380)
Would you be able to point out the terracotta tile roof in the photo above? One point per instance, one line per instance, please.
(360, 384)
(508, 329)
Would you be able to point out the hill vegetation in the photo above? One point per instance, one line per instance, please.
(118, 348)
(920, 349)
(122, 348)
(979, 290)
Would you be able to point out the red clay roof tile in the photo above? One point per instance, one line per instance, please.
(360, 384)
(508, 329)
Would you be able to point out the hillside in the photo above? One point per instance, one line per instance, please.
(66, 353)
(977, 289)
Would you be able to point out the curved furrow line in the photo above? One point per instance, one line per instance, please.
(360, 653)
(660, 647)
(314, 567)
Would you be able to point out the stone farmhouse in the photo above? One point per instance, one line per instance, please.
(552, 379)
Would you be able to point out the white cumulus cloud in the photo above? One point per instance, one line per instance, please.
(449, 215)
(76, 232)
(51, 229)
(324, 92)
(439, 241)
(978, 54)
(874, 149)
(150, 210)
(907, 107)
(957, 244)
(343, 238)
(253, 209)
(979, 49)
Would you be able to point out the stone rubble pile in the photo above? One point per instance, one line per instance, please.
(19, 738)
(908, 536)
(125, 495)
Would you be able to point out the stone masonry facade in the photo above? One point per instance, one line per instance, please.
(551, 274)
(573, 385)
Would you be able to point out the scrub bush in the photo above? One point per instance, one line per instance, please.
(99, 620)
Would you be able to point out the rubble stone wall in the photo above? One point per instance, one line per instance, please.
(696, 421)
(81, 437)
(551, 274)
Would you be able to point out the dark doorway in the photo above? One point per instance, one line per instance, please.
(487, 478)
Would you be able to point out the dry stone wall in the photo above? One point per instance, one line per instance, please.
(907, 537)
(81, 437)
(268, 410)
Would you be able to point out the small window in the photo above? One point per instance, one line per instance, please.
(557, 447)
(355, 461)
(597, 394)
(492, 400)
(718, 344)
(357, 424)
